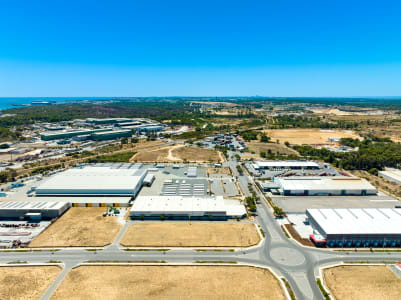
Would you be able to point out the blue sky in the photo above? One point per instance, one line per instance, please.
(200, 48)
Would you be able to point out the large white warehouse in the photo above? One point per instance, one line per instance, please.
(179, 207)
(285, 164)
(89, 180)
(331, 186)
(357, 227)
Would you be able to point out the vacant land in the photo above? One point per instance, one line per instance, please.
(169, 282)
(279, 149)
(178, 153)
(362, 282)
(308, 136)
(80, 226)
(190, 234)
(226, 171)
(26, 282)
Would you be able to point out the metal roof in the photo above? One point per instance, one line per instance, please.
(36, 205)
(286, 164)
(159, 205)
(99, 179)
(358, 220)
(323, 183)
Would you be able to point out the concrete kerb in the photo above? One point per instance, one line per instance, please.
(27, 264)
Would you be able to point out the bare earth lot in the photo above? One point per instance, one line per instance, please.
(258, 147)
(178, 153)
(363, 283)
(26, 283)
(190, 234)
(169, 282)
(308, 136)
(80, 226)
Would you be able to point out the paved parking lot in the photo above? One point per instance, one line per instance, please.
(299, 204)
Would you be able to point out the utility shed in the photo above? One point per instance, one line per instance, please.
(178, 207)
(358, 226)
(94, 181)
(20, 209)
(330, 186)
(392, 175)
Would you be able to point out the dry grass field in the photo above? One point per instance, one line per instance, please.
(80, 226)
(178, 153)
(169, 282)
(26, 283)
(190, 234)
(258, 147)
(224, 170)
(362, 283)
(308, 136)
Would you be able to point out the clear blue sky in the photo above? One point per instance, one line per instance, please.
(200, 48)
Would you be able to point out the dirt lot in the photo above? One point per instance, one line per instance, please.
(169, 282)
(258, 147)
(190, 234)
(362, 282)
(308, 136)
(224, 170)
(80, 226)
(26, 283)
(178, 153)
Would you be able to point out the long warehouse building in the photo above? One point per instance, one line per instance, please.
(287, 164)
(32, 210)
(324, 186)
(99, 180)
(181, 207)
(359, 227)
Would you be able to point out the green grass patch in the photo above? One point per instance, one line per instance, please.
(322, 289)
(289, 289)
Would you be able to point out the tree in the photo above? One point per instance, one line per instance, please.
(264, 138)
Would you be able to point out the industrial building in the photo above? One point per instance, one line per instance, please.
(288, 164)
(32, 210)
(366, 227)
(321, 186)
(65, 134)
(107, 121)
(179, 207)
(111, 135)
(392, 175)
(145, 128)
(97, 180)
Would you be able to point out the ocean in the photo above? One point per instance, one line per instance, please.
(8, 102)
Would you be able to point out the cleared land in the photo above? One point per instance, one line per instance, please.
(258, 147)
(26, 283)
(169, 282)
(362, 282)
(222, 171)
(190, 234)
(80, 226)
(178, 153)
(308, 136)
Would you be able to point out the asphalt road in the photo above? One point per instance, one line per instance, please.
(299, 265)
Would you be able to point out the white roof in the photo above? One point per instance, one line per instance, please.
(286, 164)
(392, 173)
(31, 205)
(99, 179)
(323, 183)
(358, 220)
(159, 205)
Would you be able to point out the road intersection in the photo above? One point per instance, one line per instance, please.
(299, 265)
